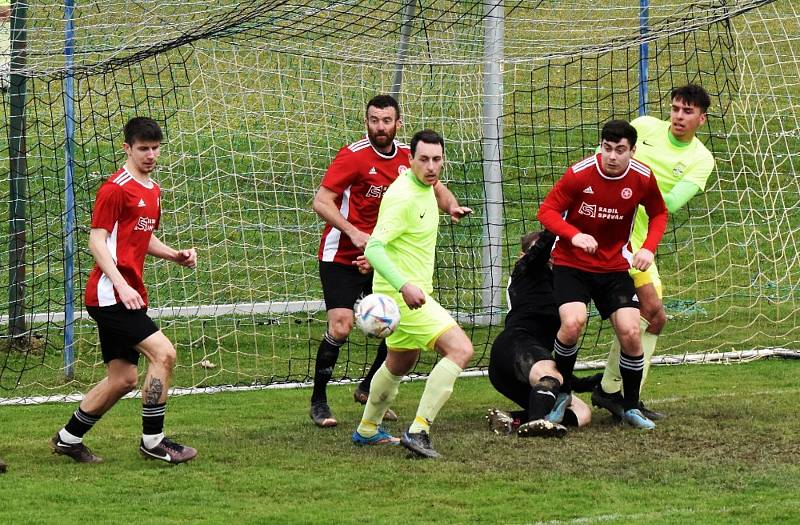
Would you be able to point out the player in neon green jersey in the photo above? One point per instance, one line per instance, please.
(402, 252)
(682, 165)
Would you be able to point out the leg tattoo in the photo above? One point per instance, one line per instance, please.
(153, 392)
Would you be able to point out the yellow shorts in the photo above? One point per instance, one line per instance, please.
(649, 276)
(419, 328)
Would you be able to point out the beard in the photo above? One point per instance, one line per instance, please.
(381, 140)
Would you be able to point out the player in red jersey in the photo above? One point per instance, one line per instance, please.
(348, 200)
(592, 208)
(126, 211)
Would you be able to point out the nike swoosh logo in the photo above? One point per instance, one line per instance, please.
(165, 457)
(646, 143)
(421, 215)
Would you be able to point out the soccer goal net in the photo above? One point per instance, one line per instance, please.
(256, 97)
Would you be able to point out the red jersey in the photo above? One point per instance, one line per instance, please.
(129, 211)
(359, 175)
(603, 207)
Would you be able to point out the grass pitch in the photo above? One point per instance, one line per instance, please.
(726, 454)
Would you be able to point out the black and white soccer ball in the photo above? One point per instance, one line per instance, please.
(377, 315)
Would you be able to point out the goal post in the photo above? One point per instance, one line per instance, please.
(256, 98)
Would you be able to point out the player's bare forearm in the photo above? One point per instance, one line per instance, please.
(448, 203)
(325, 206)
(185, 257)
(156, 248)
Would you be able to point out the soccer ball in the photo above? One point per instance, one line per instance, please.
(377, 315)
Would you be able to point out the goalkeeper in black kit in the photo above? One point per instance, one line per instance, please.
(521, 365)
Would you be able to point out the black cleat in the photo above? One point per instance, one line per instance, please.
(169, 451)
(586, 384)
(77, 451)
(419, 444)
(651, 414)
(322, 416)
(611, 402)
(3, 466)
(542, 428)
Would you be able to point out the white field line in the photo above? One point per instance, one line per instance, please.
(727, 357)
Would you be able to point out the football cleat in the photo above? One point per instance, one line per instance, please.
(652, 415)
(3, 466)
(419, 443)
(77, 451)
(501, 423)
(611, 402)
(381, 438)
(635, 418)
(557, 414)
(542, 428)
(169, 451)
(322, 416)
(586, 384)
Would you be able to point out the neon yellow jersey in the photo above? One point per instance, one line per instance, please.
(408, 224)
(670, 160)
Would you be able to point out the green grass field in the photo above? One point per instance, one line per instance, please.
(727, 454)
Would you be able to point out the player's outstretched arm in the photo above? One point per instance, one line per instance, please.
(325, 206)
(448, 203)
(680, 194)
(102, 256)
(187, 257)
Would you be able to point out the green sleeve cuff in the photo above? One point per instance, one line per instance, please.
(680, 194)
(376, 255)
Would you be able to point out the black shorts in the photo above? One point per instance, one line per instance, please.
(514, 352)
(343, 285)
(609, 291)
(121, 330)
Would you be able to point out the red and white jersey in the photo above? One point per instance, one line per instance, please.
(129, 211)
(359, 175)
(586, 200)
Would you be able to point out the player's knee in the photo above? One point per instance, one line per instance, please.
(166, 357)
(572, 327)
(461, 354)
(464, 354)
(126, 382)
(545, 368)
(629, 336)
(339, 329)
(547, 383)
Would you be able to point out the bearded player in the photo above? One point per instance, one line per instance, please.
(348, 200)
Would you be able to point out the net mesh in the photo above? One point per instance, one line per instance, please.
(256, 97)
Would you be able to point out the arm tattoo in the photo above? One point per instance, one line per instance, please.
(154, 392)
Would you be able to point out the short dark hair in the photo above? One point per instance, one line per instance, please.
(142, 128)
(693, 95)
(428, 136)
(616, 130)
(383, 102)
(527, 240)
